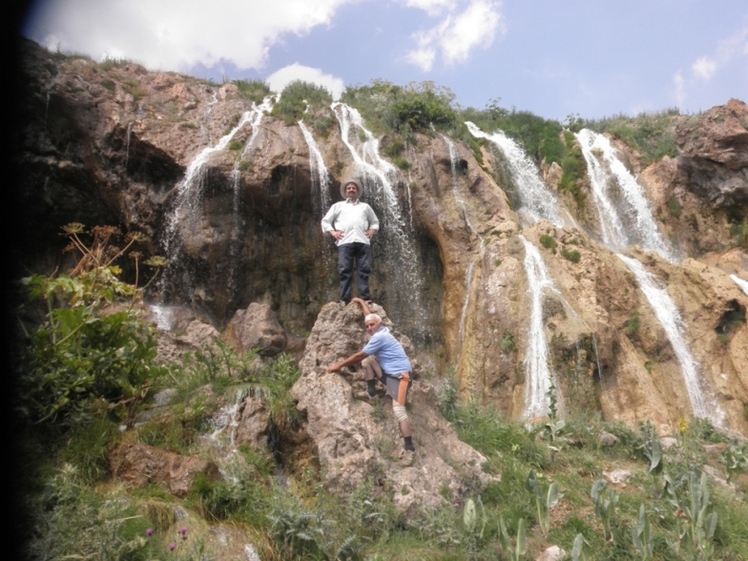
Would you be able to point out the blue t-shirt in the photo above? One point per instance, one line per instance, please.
(388, 352)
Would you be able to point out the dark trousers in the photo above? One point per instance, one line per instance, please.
(354, 258)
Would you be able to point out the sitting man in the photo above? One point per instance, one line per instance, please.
(384, 359)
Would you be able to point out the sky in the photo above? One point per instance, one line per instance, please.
(554, 58)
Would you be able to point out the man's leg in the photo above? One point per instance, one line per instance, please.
(372, 373)
(363, 270)
(398, 408)
(345, 270)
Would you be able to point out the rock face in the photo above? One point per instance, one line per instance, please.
(357, 440)
(232, 197)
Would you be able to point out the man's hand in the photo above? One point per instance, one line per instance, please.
(333, 368)
(336, 234)
(370, 233)
(364, 306)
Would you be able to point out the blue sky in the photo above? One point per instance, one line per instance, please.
(555, 58)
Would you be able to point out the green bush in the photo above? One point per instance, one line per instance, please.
(572, 255)
(652, 134)
(548, 242)
(298, 97)
(253, 90)
(674, 208)
(87, 344)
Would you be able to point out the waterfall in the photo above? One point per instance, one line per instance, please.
(455, 187)
(741, 283)
(669, 318)
(258, 112)
(127, 145)
(537, 201)
(395, 235)
(320, 176)
(186, 209)
(624, 214)
(538, 375)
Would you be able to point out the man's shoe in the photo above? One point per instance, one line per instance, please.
(407, 457)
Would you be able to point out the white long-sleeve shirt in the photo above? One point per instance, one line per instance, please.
(353, 219)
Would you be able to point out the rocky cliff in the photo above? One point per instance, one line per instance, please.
(232, 197)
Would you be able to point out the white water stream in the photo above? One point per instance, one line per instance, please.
(667, 313)
(624, 213)
(538, 202)
(537, 374)
(740, 282)
(395, 236)
(187, 206)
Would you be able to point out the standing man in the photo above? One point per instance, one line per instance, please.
(352, 223)
(384, 359)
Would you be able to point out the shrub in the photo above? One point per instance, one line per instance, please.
(548, 242)
(85, 347)
(297, 97)
(572, 255)
(253, 90)
(674, 208)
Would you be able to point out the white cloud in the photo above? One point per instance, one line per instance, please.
(279, 79)
(432, 7)
(475, 27)
(457, 35)
(729, 49)
(174, 35)
(423, 58)
(704, 68)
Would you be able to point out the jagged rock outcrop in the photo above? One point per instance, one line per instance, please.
(116, 144)
(714, 154)
(357, 441)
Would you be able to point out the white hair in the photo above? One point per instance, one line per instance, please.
(374, 316)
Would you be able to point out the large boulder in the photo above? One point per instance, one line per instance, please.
(358, 441)
(714, 153)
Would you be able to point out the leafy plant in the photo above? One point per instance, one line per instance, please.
(581, 549)
(520, 543)
(85, 347)
(605, 501)
(548, 242)
(253, 90)
(544, 500)
(309, 534)
(632, 325)
(297, 97)
(474, 520)
(735, 458)
(641, 534)
(693, 517)
(674, 207)
(572, 255)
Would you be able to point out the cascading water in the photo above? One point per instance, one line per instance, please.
(187, 207)
(537, 201)
(625, 217)
(740, 282)
(320, 176)
(455, 187)
(127, 145)
(538, 375)
(669, 317)
(395, 235)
